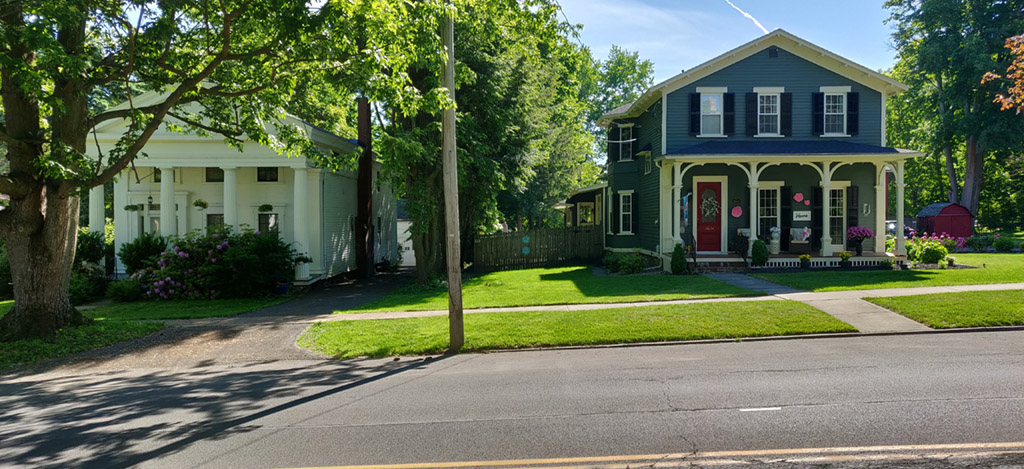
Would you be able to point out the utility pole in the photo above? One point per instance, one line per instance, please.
(456, 331)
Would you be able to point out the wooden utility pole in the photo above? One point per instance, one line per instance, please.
(456, 332)
(364, 195)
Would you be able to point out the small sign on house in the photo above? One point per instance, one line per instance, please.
(802, 215)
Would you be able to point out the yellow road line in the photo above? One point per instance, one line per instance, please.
(834, 454)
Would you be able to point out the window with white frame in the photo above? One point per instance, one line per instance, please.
(626, 143)
(711, 106)
(647, 164)
(626, 212)
(611, 202)
(837, 215)
(585, 214)
(767, 210)
(768, 114)
(835, 113)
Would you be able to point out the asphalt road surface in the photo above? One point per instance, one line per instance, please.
(933, 400)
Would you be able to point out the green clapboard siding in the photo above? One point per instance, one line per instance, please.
(632, 175)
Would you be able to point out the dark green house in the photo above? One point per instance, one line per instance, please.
(776, 137)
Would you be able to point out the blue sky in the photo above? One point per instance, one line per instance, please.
(681, 34)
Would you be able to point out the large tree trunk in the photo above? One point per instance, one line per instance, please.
(954, 183)
(364, 196)
(974, 174)
(40, 242)
(428, 249)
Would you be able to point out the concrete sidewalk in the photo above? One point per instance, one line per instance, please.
(847, 306)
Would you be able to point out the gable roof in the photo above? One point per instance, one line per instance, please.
(778, 38)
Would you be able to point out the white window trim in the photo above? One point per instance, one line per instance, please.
(609, 209)
(597, 209)
(777, 92)
(840, 185)
(579, 210)
(713, 90)
(777, 187)
(632, 216)
(647, 161)
(835, 90)
(626, 157)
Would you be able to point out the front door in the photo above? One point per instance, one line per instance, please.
(709, 211)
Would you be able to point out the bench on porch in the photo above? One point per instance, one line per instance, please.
(800, 240)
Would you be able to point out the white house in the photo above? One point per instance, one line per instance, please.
(314, 209)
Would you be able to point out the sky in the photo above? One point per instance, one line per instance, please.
(682, 34)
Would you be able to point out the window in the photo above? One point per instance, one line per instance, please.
(214, 219)
(768, 114)
(158, 177)
(585, 215)
(837, 215)
(835, 113)
(767, 211)
(266, 174)
(711, 114)
(214, 175)
(626, 143)
(611, 202)
(626, 213)
(268, 222)
(597, 209)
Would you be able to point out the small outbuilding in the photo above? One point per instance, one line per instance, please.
(953, 219)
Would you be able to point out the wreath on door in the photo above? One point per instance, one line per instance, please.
(709, 206)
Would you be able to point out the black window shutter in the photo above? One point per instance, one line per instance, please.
(818, 114)
(694, 113)
(633, 220)
(852, 204)
(852, 113)
(729, 116)
(613, 148)
(751, 111)
(615, 213)
(786, 114)
(816, 219)
(786, 201)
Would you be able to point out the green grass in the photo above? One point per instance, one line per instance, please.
(119, 322)
(488, 331)
(999, 268)
(564, 285)
(961, 309)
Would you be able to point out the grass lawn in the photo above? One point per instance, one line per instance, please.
(487, 331)
(550, 286)
(962, 309)
(999, 268)
(117, 323)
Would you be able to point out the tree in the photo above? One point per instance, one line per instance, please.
(59, 56)
(1014, 73)
(945, 47)
(620, 79)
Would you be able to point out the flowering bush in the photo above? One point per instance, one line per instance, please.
(845, 256)
(221, 264)
(1003, 243)
(859, 233)
(929, 250)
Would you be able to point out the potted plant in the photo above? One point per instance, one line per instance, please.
(857, 235)
(805, 261)
(265, 208)
(131, 208)
(844, 259)
(950, 261)
(201, 204)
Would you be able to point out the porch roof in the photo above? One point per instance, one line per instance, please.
(788, 147)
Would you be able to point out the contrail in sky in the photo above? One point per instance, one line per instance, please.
(748, 15)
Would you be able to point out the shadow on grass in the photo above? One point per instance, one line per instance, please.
(595, 286)
(121, 420)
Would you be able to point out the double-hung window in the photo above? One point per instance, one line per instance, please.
(768, 114)
(626, 143)
(767, 210)
(711, 112)
(626, 212)
(837, 215)
(835, 113)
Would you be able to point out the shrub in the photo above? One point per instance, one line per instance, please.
(979, 242)
(142, 252)
(611, 261)
(886, 263)
(1003, 243)
(632, 265)
(759, 253)
(678, 265)
(927, 250)
(124, 290)
(90, 247)
(87, 283)
(933, 253)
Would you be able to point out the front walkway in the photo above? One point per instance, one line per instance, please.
(847, 306)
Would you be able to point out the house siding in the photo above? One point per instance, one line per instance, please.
(798, 76)
(631, 175)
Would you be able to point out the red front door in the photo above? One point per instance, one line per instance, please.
(709, 213)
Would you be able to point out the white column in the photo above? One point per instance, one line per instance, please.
(753, 214)
(124, 221)
(880, 204)
(96, 203)
(665, 201)
(901, 246)
(231, 197)
(168, 218)
(300, 222)
(826, 209)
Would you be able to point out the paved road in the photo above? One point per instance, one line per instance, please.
(760, 396)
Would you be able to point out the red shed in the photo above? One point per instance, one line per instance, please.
(949, 218)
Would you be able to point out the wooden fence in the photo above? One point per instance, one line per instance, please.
(535, 248)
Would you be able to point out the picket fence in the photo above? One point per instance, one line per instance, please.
(536, 248)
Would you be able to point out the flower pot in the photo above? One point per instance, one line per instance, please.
(805, 264)
(845, 264)
(281, 288)
(860, 247)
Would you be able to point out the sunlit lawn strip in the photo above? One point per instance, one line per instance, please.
(550, 286)
(184, 309)
(961, 309)
(998, 268)
(487, 331)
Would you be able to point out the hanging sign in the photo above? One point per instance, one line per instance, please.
(801, 215)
